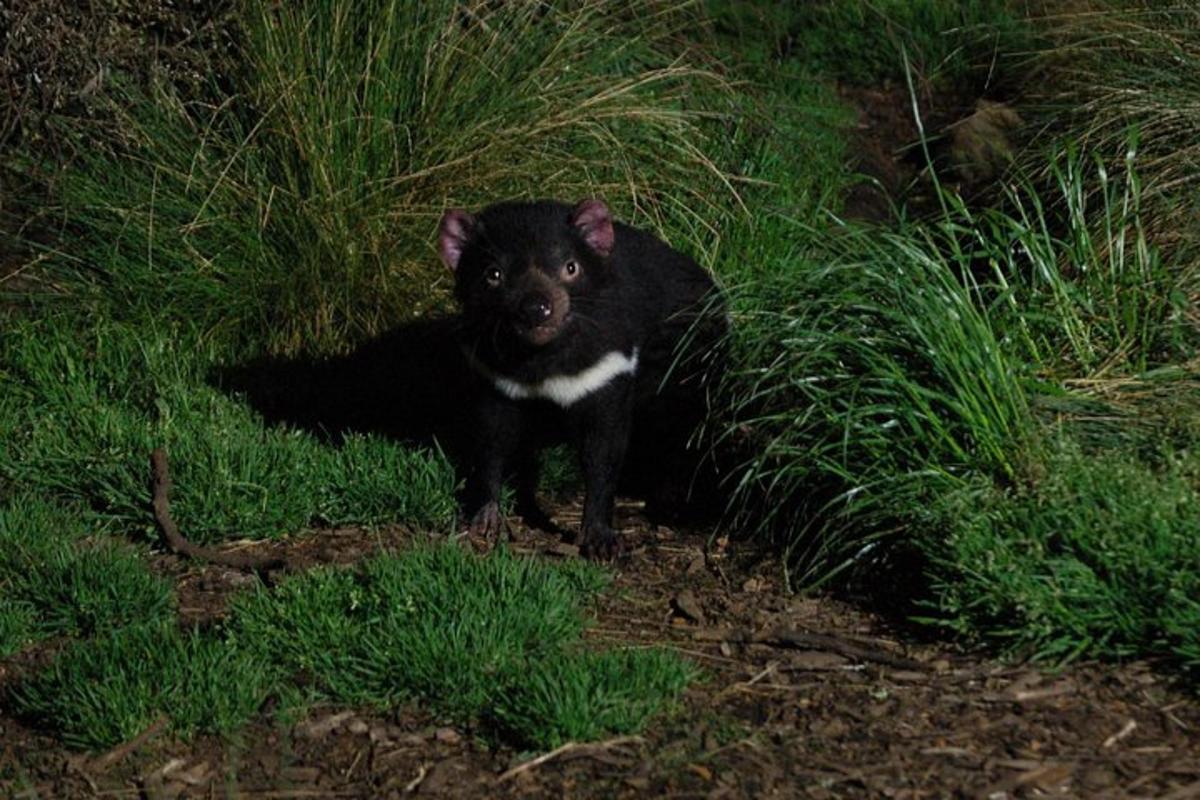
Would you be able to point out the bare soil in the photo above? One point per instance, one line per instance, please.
(803, 697)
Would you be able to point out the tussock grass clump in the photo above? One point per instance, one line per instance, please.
(1109, 68)
(298, 211)
(83, 408)
(1098, 557)
(54, 583)
(1083, 289)
(868, 379)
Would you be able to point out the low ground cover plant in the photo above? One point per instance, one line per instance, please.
(491, 642)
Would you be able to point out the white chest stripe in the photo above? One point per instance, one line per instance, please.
(563, 390)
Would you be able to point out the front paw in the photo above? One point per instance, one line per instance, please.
(486, 524)
(601, 544)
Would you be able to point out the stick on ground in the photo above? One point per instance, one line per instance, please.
(161, 482)
(582, 748)
(118, 753)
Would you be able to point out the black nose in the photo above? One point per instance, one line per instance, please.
(535, 309)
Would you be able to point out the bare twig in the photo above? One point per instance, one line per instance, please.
(412, 785)
(1129, 727)
(175, 540)
(583, 748)
(118, 753)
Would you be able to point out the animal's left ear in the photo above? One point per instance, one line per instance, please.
(594, 223)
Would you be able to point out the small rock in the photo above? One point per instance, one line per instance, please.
(194, 776)
(320, 728)
(752, 585)
(685, 603)
(358, 727)
(447, 736)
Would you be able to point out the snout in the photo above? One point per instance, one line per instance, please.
(539, 314)
(535, 308)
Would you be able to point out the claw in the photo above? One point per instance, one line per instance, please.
(486, 524)
(601, 544)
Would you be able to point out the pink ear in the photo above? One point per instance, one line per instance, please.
(453, 233)
(594, 223)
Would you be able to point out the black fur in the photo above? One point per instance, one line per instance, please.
(547, 289)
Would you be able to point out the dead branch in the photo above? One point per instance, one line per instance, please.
(161, 481)
(786, 637)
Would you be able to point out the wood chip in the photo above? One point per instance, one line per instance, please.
(816, 660)
(1129, 727)
(1057, 690)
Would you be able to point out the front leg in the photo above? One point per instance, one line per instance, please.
(602, 432)
(499, 428)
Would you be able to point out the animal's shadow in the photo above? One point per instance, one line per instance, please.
(410, 384)
(413, 385)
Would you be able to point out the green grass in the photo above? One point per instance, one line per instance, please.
(18, 625)
(883, 373)
(582, 696)
(1085, 291)
(85, 404)
(54, 582)
(292, 210)
(106, 690)
(298, 213)
(1118, 66)
(866, 42)
(1096, 558)
(868, 377)
(491, 641)
(436, 624)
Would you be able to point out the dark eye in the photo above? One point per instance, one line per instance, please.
(570, 269)
(493, 276)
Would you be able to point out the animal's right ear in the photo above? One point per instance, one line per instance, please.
(453, 234)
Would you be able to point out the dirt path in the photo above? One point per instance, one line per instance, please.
(804, 697)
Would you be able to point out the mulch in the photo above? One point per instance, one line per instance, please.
(803, 696)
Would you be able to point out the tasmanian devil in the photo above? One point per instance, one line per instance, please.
(576, 322)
